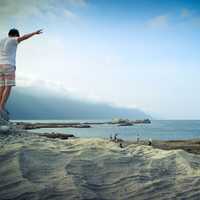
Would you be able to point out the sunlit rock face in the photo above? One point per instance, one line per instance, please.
(33, 167)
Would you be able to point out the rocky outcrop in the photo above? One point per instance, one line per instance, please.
(37, 168)
(127, 122)
(62, 136)
(29, 126)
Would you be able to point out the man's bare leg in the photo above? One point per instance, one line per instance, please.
(5, 96)
(1, 96)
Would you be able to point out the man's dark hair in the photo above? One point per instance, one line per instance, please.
(13, 33)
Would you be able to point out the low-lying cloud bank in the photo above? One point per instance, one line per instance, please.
(38, 103)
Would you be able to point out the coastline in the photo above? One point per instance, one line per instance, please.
(39, 125)
(157, 130)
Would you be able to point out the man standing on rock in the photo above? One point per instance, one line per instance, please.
(8, 48)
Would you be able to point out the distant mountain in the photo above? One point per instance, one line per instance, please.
(33, 103)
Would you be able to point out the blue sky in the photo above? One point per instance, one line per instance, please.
(131, 53)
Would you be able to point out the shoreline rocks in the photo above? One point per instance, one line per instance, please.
(120, 122)
(29, 126)
(62, 136)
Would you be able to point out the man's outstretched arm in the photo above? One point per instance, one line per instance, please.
(29, 35)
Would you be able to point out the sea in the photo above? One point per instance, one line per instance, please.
(157, 130)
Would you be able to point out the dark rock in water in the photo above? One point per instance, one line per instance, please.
(145, 121)
(29, 126)
(82, 126)
(57, 135)
(126, 124)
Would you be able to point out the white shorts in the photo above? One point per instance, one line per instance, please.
(7, 75)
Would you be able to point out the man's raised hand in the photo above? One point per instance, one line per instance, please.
(39, 31)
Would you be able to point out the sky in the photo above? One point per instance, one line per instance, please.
(131, 53)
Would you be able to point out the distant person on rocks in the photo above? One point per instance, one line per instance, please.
(8, 48)
(111, 137)
(138, 138)
(150, 142)
(115, 137)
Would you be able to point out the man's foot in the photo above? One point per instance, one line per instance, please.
(4, 115)
(6, 111)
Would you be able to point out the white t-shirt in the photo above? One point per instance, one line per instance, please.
(8, 48)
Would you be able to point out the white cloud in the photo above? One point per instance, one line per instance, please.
(11, 10)
(191, 18)
(57, 87)
(185, 13)
(195, 22)
(70, 15)
(78, 2)
(31, 81)
(158, 21)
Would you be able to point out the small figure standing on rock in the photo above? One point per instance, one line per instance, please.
(8, 48)
(111, 137)
(115, 137)
(138, 138)
(150, 142)
(120, 145)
